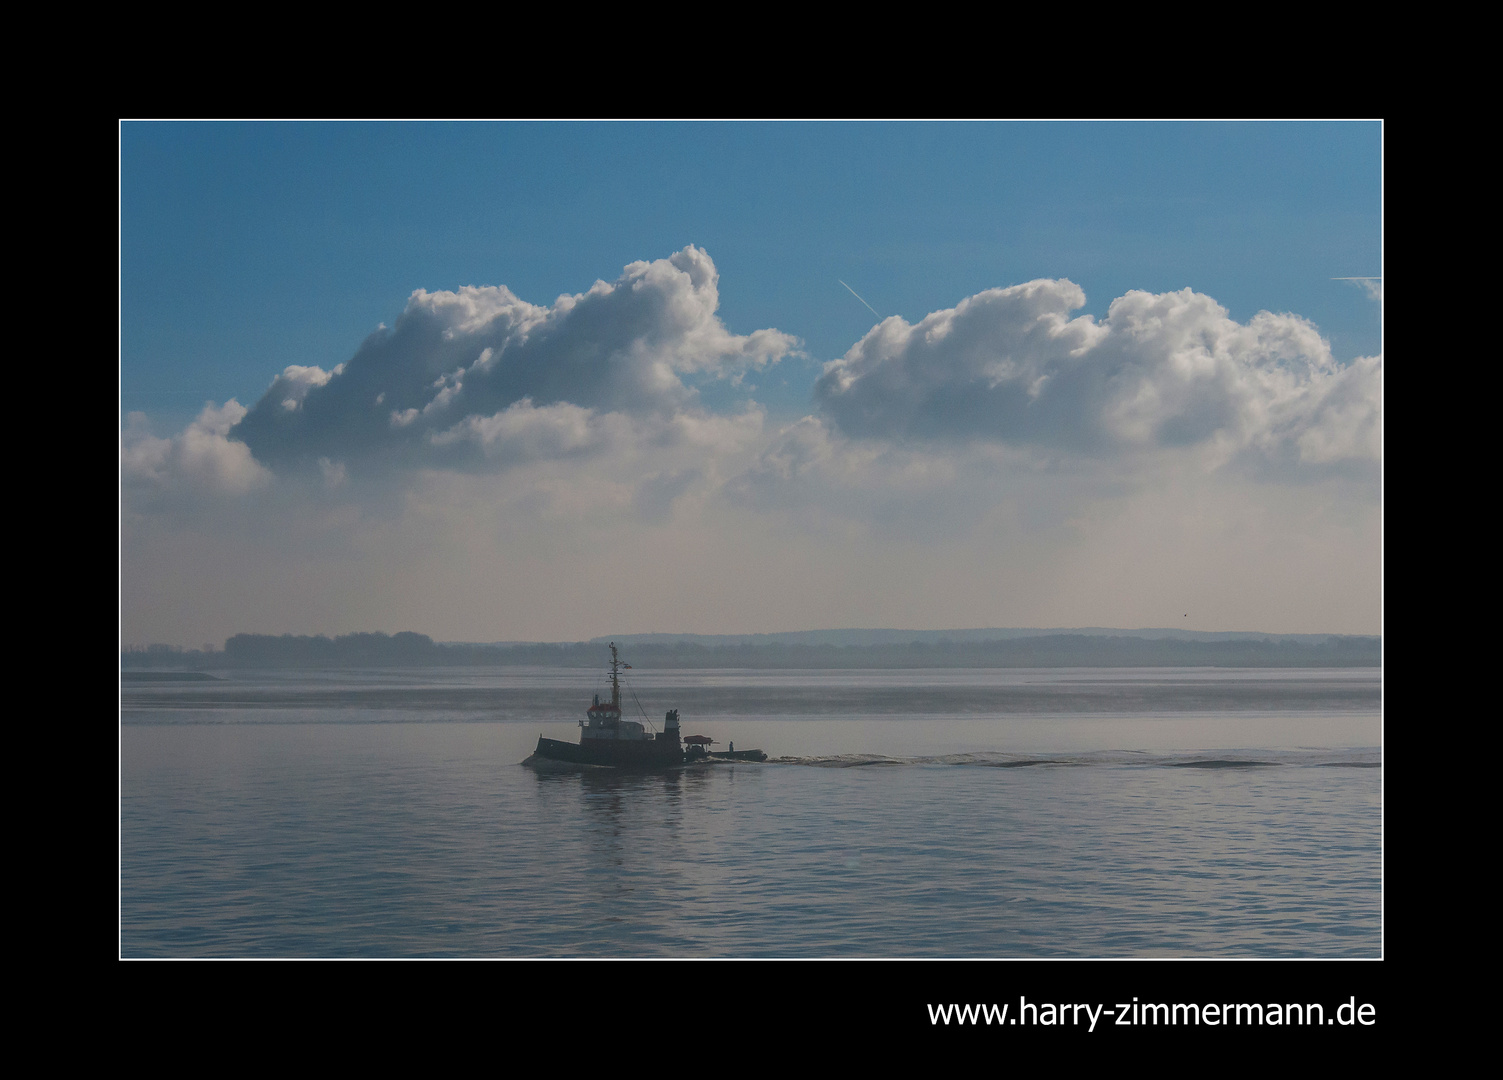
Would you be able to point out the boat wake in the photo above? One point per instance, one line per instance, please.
(1363, 758)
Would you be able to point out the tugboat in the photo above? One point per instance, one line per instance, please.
(606, 739)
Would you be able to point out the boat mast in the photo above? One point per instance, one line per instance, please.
(615, 678)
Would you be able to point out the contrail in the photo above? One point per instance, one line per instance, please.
(857, 295)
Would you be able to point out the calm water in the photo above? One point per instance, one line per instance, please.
(964, 813)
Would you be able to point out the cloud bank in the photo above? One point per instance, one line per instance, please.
(480, 380)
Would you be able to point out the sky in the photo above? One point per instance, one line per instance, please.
(550, 381)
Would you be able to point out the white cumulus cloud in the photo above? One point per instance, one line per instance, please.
(481, 372)
(1161, 370)
(201, 458)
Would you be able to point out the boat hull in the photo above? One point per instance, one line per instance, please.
(614, 753)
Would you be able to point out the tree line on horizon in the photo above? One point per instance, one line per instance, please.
(408, 649)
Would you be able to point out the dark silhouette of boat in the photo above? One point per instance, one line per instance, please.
(608, 740)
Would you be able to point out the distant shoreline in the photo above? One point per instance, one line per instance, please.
(921, 649)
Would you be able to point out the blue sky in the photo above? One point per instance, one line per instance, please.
(248, 250)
